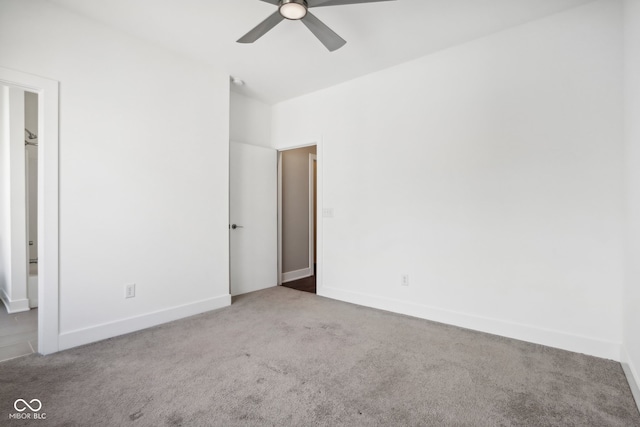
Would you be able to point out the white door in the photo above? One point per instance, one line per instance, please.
(253, 216)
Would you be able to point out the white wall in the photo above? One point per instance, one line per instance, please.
(5, 194)
(632, 139)
(491, 173)
(14, 254)
(18, 206)
(250, 120)
(143, 171)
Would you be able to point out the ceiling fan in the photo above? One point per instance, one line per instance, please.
(298, 10)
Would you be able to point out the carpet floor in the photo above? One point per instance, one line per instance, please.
(280, 357)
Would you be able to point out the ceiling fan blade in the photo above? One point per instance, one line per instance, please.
(272, 1)
(318, 3)
(326, 35)
(262, 28)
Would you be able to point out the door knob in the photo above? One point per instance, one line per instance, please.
(234, 226)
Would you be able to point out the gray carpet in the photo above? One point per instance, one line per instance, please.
(280, 357)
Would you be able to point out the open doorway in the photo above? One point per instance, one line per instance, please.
(297, 215)
(19, 282)
(31, 186)
(28, 213)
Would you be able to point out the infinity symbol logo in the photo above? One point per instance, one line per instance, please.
(26, 405)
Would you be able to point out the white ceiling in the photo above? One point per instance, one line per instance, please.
(288, 61)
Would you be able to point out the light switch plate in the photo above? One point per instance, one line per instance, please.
(327, 212)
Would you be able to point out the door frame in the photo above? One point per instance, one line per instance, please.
(318, 209)
(312, 205)
(48, 202)
(279, 214)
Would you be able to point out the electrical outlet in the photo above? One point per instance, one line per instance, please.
(327, 212)
(404, 280)
(130, 290)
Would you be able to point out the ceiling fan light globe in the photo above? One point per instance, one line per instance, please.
(293, 10)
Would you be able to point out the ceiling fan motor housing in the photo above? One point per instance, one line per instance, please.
(293, 9)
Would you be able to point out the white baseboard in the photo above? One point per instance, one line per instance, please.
(633, 376)
(14, 306)
(120, 327)
(298, 274)
(557, 339)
